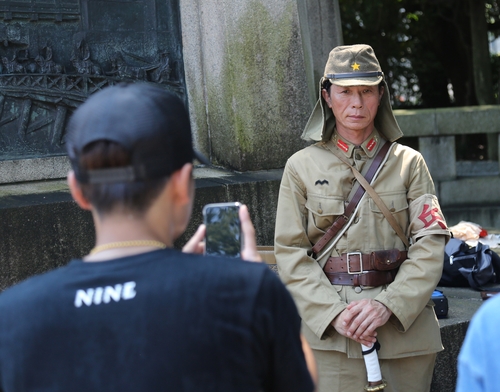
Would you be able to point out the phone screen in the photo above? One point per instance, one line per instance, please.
(223, 233)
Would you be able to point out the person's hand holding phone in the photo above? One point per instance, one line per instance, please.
(249, 251)
(196, 243)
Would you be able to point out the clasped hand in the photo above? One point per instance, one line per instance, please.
(360, 320)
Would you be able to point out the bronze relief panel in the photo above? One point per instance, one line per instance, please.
(55, 53)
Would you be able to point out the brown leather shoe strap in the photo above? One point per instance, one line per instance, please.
(381, 260)
(370, 278)
(342, 219)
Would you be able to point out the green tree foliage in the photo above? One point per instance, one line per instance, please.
(424, 46)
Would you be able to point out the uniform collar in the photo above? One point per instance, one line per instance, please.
(369, 146)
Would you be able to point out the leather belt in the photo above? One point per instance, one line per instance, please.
(369, 278)
(374, 269)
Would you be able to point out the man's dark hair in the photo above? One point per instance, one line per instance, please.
(326, 85)
(128, 196)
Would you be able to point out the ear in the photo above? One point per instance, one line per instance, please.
(182, 184)
(326, 96)
(76, 192)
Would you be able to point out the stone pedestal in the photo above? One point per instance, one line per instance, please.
(249, 77)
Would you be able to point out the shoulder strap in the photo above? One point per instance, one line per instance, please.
(343, 219)
(378, 201)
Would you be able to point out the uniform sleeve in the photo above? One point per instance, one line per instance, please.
(279, 348)
(318, 304)
(419, 275)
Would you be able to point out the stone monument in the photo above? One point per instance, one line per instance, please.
(246, 69)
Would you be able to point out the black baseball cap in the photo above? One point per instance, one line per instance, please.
(150, 122)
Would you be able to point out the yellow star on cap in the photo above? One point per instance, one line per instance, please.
(355, 66)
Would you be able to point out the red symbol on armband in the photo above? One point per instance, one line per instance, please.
(429, 216)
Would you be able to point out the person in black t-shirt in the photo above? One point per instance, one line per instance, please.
(136, 314)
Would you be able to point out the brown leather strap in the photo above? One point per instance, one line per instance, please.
(342, 219)
(370, 278)
(380, 203)
(382, 260)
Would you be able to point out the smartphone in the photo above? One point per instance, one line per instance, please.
(223, 234)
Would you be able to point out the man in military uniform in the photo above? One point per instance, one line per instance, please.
(331, 250)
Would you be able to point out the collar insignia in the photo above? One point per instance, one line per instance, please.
(371, 144)
(342, 145)
(355, 66)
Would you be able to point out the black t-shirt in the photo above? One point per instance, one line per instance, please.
(162, 320)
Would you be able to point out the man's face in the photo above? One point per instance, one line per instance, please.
(354, 107)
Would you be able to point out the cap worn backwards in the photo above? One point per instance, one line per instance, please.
(149, 122)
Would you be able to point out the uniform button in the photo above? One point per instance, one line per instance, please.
(392, 209)
(358, 157)
(320, 211)
(356, 220)
(358, 289)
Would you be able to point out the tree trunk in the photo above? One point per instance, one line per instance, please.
(482, 65)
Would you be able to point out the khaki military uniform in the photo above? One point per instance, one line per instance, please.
(313, 193)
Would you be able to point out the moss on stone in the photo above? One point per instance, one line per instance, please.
(260, 51)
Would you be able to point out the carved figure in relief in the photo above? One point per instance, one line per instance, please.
(45, 63)
(81, 60)
(120, 68)
(162, 73)
(13, 66)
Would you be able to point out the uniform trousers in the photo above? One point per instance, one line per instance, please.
(337, 373)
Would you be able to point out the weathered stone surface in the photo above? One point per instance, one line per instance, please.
(449, 121)
(20, 170)
(472, 191)
(246, 80)
(439, 154)
(477, 168)
(40, 232)
(42, 228)
(487, 216)
(472, 119)
(420, 122)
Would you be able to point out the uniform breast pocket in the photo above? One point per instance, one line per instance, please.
(322, 212)
(397, 205)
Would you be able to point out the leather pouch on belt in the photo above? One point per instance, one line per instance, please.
(385, 260)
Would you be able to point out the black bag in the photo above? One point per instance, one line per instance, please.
(440, 303)
(466, 266)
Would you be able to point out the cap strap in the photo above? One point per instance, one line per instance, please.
(111, 175)
(352, 75)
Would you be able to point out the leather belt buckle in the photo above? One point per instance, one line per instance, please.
(348, 261)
